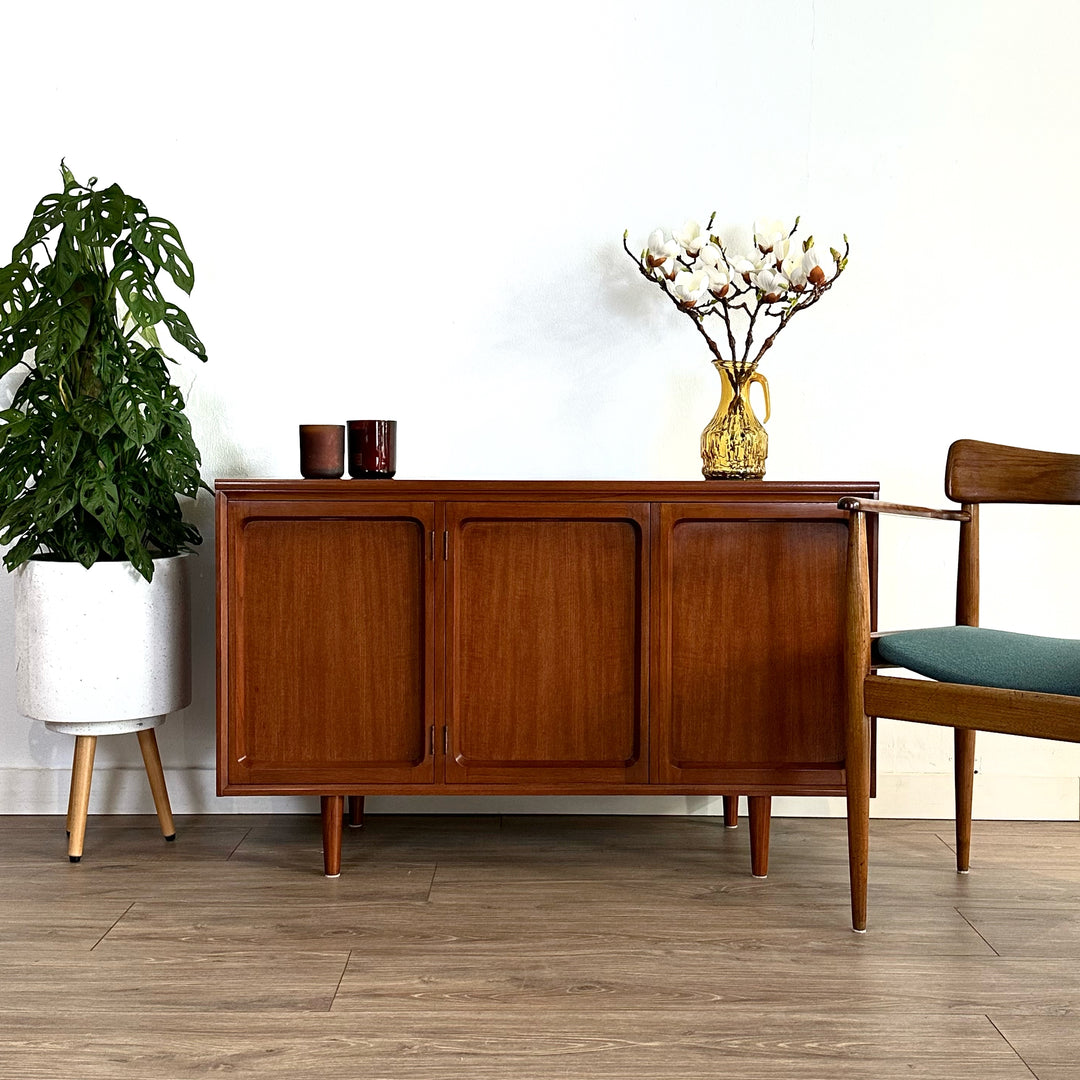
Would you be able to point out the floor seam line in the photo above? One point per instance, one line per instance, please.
(247, 833)
(977, 931)
(341, 979)
(1011, 1047)
(113, 926)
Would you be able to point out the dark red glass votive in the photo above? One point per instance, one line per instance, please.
(322, 451)
(372, 449)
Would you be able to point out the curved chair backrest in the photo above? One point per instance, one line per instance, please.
(978, 472)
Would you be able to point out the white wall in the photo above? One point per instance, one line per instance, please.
(415, 210)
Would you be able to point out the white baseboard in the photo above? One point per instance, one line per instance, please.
(192, 791)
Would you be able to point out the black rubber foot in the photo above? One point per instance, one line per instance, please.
(173, 837)
(74, 858)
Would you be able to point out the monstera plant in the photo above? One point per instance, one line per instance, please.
(95, 447)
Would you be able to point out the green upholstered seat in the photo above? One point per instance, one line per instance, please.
(980, 657)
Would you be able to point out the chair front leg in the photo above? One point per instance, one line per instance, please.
(856, 722)
(858, 814)
(964, 766)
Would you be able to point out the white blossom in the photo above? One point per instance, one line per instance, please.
(720, 277)
(689, 287)
(768, 232)
(661, 248)
(690, 237)
(792, 269)
(746, 265)
(812, 268)
(710, 255)
(772, 285)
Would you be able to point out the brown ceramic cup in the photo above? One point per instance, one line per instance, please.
(372, 449)
(322, 451)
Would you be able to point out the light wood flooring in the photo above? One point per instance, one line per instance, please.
(535, 947)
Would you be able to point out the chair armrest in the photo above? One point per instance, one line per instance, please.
(876, 506)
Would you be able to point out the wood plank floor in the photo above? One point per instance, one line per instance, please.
(535, 947)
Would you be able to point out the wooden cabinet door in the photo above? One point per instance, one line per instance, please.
(748, 683)
(329, 649)
(547, 617)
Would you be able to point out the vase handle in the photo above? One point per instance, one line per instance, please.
(757, 377)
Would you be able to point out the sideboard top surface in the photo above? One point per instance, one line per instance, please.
(639, 490)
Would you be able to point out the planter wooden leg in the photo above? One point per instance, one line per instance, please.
(156, 776)
(71, 790)
(356, 811)
(760, 815)
(731, 811)
(79, 799)
(333, 806)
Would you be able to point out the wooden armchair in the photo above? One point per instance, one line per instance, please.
(985, 680)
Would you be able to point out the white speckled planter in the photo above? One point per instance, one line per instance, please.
(101, 651)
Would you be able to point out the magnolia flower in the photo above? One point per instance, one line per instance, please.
(661, 249)
(747, 264)
(782, 248)
(768, 232)
(719, 279)
(792, 269)
(691, 237)
(710, 255)
(771, 284)
(689, 287)
(812, 268)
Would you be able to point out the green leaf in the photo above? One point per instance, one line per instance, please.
(63, 444)
(134, 281)
(53, 498)
(17, 287)
(22, 552)
(92, 416)
(183, 333)
(138, 419)
(67, 264)
(83, 549)
(134, 548)
(48, 215)
(98, 496)
(159, 241)
(69, 327)
(105, 218)
(16, 342)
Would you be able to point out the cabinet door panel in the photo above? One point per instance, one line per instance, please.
(547, 607)
(330, 642)
(750, 678)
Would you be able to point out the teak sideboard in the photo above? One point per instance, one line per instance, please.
(402, 637)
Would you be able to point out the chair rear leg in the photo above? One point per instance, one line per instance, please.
(964, 766)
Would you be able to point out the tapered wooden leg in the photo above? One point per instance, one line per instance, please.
(333, 806)
(964, 765)
(356, 811)
(857, 732)
(71, 790)
(731, 811)
(156, 776)
(79, 799)
(858, 815)
(760, 816)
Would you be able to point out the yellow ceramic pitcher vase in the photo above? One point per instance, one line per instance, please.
(734, 443)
